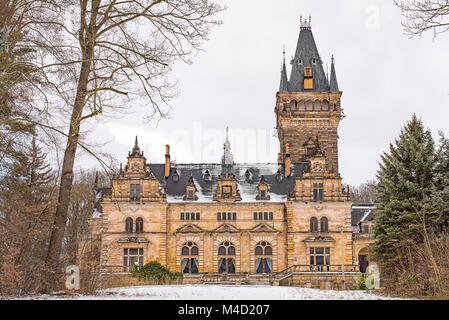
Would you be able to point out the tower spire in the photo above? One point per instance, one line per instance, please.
(283, 86)
(136, 149)
(227, 161)
(333, 80)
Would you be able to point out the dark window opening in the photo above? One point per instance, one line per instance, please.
(263, 261)
(324, 224)
(318, 192)
(313, 224)
(129, 225)
(189, 263)
(139, 225)
(134, 192)
(226, 264)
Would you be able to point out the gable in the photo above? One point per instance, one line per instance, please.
(264, 228)
(189, 228)
(226, 228)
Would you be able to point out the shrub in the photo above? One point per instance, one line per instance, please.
(154, 271)
(361, 283)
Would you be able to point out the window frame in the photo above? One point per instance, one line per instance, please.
(324, 225)
(127, 258)
(129, 225)
(139, 225)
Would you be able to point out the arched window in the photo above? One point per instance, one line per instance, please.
(129, 225)
(324, 224)
(264, 262)
(226, 253)
(189, 254)
(139, 225)
(313, 224)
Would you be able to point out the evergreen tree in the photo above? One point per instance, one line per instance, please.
(405, 177)
(25, 206)
(440, 197)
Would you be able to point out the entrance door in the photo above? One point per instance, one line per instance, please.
(363, 262)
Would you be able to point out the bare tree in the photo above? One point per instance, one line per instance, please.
(424, 15)
(103, 55)
(364, 193)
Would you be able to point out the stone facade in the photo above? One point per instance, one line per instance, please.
(255, 220)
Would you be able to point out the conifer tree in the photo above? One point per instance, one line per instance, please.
(405, 177)
(440, 197)
(25, 206)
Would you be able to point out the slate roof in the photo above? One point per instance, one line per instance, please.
(247, 185)
(283, 87)
(333, 79)
(307, 52)
(247, 175)
(307, 55)
(361, 213)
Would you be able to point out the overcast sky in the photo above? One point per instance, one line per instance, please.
(385, 78)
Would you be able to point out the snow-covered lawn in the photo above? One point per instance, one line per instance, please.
(222, 292)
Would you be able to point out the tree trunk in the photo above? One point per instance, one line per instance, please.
(87, 35)
(52, 261)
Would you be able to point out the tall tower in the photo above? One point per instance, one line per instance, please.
(308, 105)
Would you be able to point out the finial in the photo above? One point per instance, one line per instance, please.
(227, 133)
(136, 149)
(283, 53)
(332, 59)
(306, 25)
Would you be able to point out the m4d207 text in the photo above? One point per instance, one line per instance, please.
(243, 309)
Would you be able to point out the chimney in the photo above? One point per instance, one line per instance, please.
(167, 161)
(287, 160)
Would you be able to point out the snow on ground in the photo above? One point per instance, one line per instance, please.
(222, 292)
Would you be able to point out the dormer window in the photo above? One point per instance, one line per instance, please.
(226, 191)
(207, 176)
(263, 190)
(175, 176)
(299, 61)
(307, 72)
(308, 79)
(191, 190)
(314, 60)
(248, 175)
(279, 176)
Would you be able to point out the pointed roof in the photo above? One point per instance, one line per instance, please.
(136, 150)
(307, 55)
(227, 160)
(333, 79)
(283, 87)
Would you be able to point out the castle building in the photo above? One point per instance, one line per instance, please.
(245, 219)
